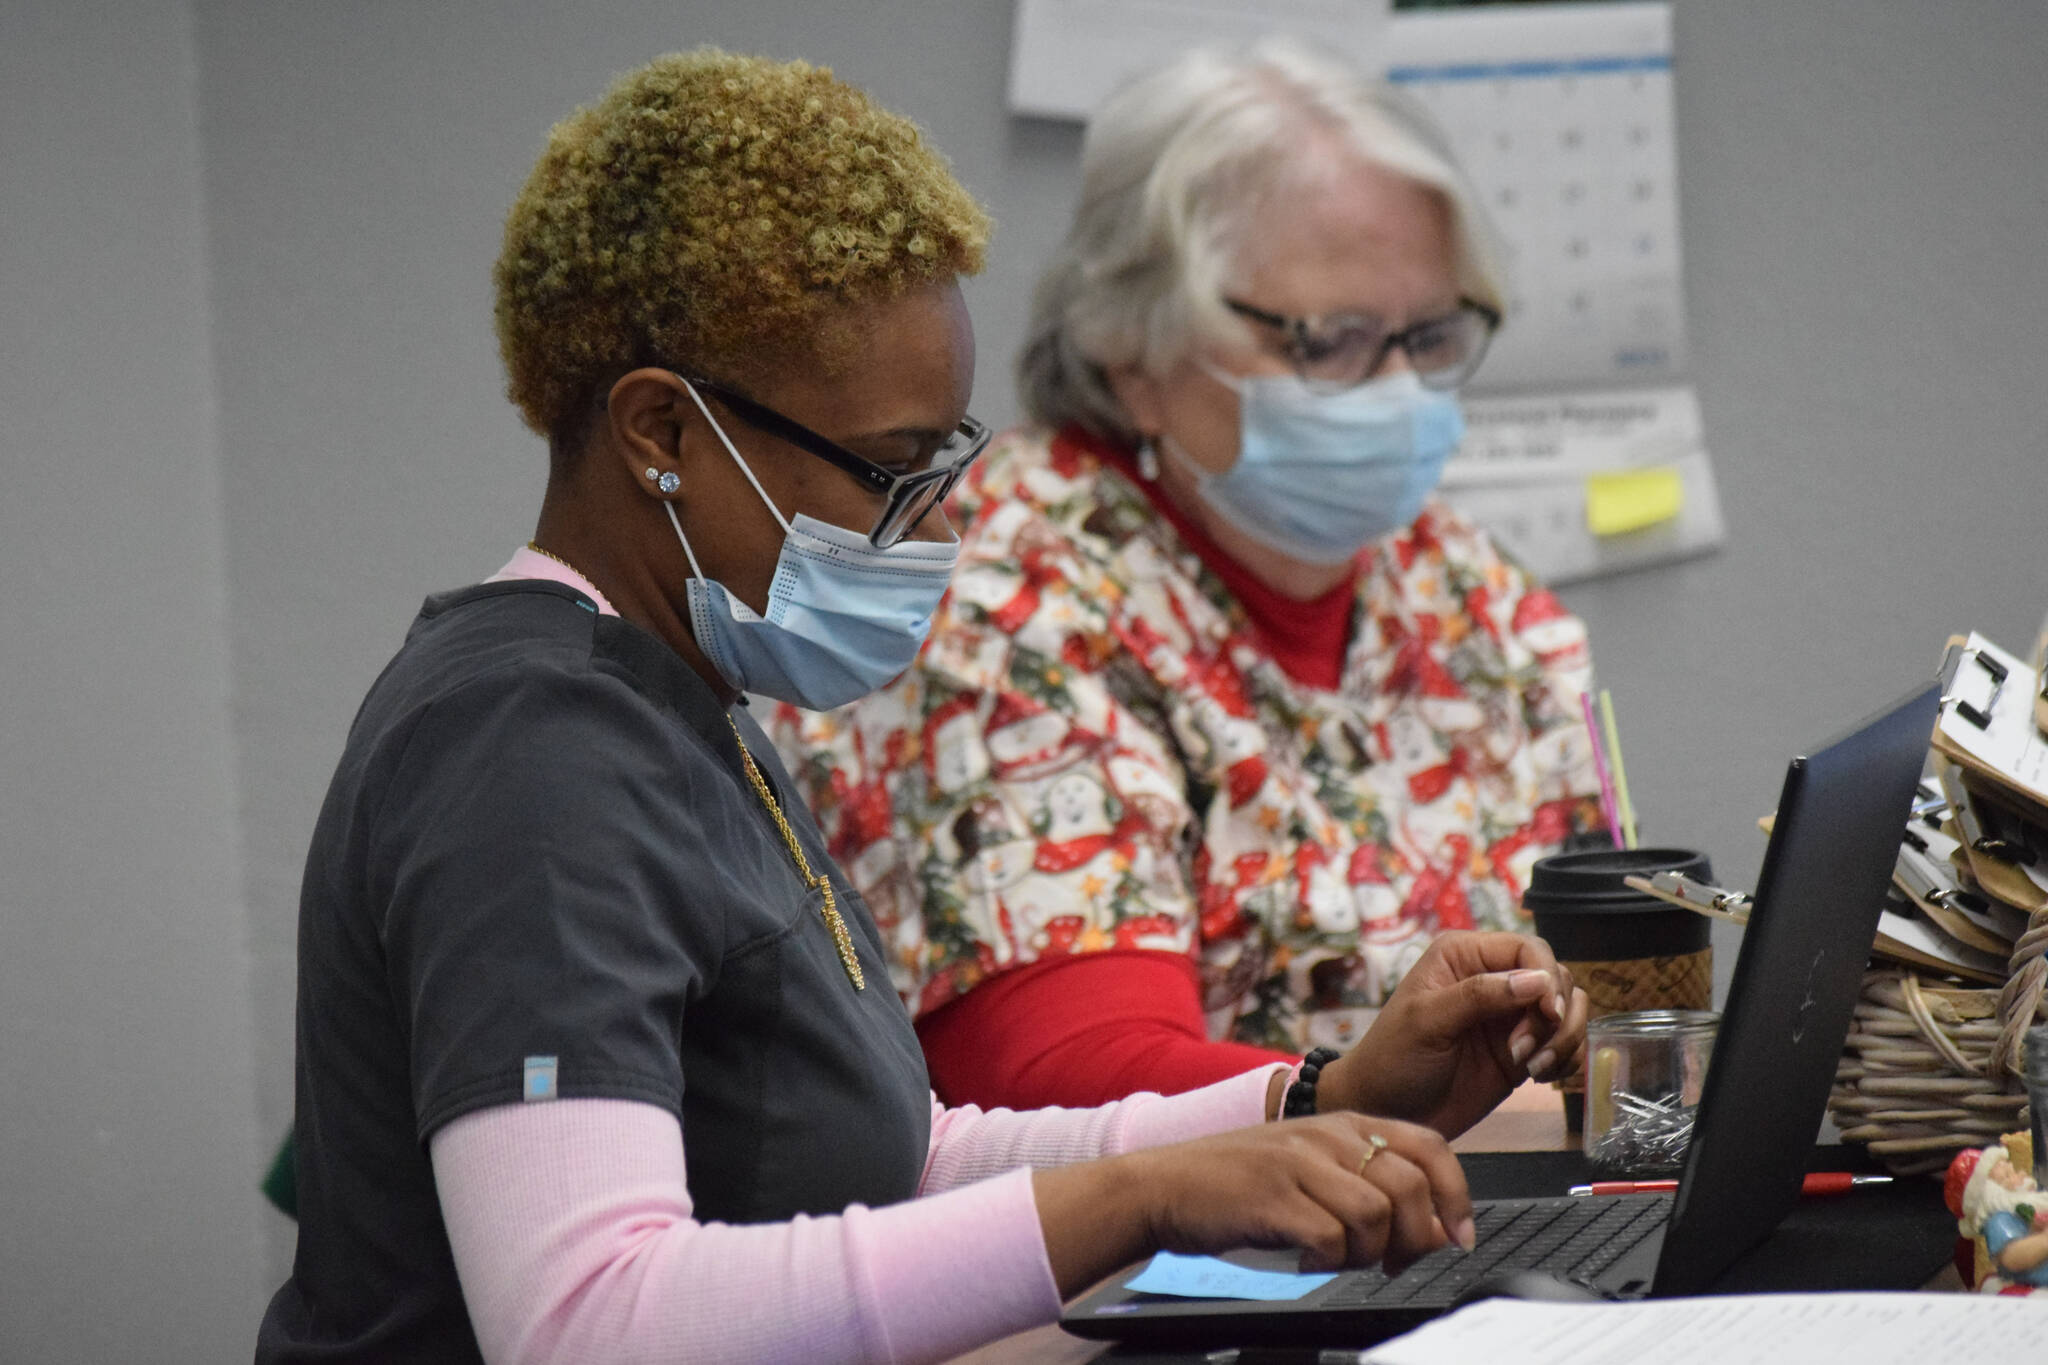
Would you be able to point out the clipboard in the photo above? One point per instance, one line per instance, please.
(1715, 902)
(1904, 936)
(2006, 856)
(2041, 680)
(1987, 724)
(1928, 877)
(1905, 931)
(1930, 803)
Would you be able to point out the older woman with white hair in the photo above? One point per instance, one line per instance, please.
(1229, 731)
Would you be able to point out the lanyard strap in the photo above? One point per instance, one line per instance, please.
(816, 881)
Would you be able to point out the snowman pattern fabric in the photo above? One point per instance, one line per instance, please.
(1095, 750)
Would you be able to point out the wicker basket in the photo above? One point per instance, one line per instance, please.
(1929, 1069)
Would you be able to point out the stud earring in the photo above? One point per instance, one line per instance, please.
(669, 482)
(652, 473)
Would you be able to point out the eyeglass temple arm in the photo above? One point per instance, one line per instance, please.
(775, 424)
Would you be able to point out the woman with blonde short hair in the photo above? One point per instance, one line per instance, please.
(597, 1054)
(1231, 738)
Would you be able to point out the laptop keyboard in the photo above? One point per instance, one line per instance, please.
(1571, 1238)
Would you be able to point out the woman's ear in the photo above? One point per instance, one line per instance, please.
(655, 429)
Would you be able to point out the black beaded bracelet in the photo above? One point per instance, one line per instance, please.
(1300, 1101)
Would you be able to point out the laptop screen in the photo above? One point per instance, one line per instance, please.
(1832, 848)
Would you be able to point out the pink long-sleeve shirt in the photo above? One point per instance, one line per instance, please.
(573, 1236)
(571, 1224)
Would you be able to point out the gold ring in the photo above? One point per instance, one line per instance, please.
(1374, 1144)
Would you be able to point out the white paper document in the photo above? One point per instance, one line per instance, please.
(1761, 1329)
(1562, 116)
(2006, 740)
(1067, 56)
(1587, 431)
(1577, 484)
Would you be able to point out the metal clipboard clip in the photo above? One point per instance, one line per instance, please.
(1715, 902)
(1930, 803)
(1974, 833)
(2041, 680)
(1924, 883)
(1956, 674)
(2005, 850)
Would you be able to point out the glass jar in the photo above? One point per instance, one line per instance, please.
(1644, 1073)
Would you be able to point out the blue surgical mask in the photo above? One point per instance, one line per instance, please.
(1319, 476)
(843, 617)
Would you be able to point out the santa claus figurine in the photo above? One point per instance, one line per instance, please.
(1992, 1193)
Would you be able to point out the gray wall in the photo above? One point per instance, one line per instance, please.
(1861, 234)
(1863, 210)
(127, 1141)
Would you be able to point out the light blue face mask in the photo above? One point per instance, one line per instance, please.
(1319, 476)
(843, 617)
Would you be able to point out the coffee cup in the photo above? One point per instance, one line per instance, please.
(1626, 949)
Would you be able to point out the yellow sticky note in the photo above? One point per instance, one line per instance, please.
(1632, 499)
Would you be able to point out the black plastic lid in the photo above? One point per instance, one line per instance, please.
(1587, 913)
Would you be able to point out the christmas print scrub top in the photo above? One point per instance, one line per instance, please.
(1097, 750)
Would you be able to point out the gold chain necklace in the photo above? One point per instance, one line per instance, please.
(813, 881)
(535, 547)
(816, 881)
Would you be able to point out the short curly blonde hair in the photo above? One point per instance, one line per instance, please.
(709, 210)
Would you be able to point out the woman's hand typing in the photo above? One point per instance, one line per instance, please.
(1349, 1189)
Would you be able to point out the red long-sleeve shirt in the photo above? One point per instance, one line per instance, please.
(1079, 1030)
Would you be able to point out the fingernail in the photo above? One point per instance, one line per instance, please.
(1542, 1062)
(1557, 1002)
(1465, 1234)
(1521, 1048)
(1528, 982)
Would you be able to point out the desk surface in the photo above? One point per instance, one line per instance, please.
(1529, 1120)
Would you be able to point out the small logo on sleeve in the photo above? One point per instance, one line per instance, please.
(540, 1080)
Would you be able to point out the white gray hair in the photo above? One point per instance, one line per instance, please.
(1175, 170)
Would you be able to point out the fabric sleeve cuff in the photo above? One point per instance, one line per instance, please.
(914, 1262)
(1239, 1102)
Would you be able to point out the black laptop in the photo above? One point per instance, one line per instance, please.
(1823, 883)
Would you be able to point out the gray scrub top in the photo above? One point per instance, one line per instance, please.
(541, 872)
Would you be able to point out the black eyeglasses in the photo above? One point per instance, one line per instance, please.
(1344, 350)
(910, 496)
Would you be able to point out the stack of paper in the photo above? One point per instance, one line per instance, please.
(1766, 1329)
(1936, 919)
(1973, 865)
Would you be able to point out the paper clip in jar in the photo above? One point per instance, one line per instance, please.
(1644, 1073)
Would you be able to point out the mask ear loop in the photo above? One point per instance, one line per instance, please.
(695, 572)
(1233, 382)
(1163, 444)
(726, 441)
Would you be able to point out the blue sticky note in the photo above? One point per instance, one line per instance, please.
(1207, 1277)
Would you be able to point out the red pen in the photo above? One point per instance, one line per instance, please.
(1819, 1182)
